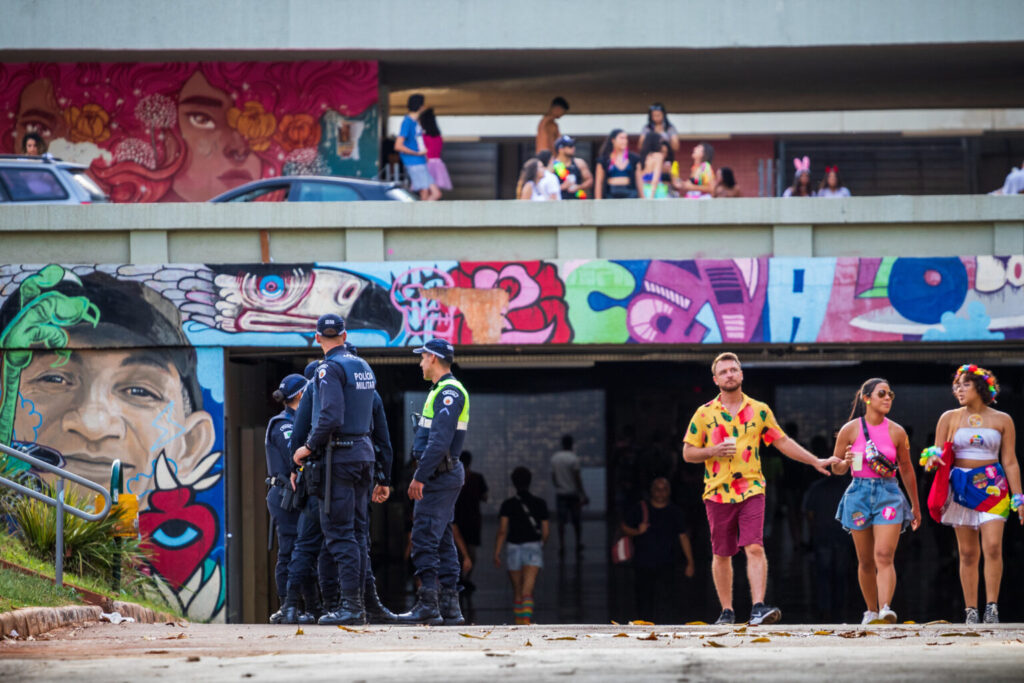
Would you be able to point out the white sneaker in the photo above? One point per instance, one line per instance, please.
(869, 617)
(887, 615)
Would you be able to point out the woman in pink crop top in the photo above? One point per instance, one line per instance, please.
(434, 143)
(874, 509)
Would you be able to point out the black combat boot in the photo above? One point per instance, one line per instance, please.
(277, 616)
(425, 611)
(314, 608)
(350, 613)
(376, 612)
(451, 610)
(290, 610)
(331, 597)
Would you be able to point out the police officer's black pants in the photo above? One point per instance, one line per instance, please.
(345, 524)
(308, 553)
(433, 546)
(287, 531)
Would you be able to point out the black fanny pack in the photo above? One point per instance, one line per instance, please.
(878, 462)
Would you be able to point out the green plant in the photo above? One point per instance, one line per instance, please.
(18, 590)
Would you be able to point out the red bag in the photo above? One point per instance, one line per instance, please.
(622, 549)
(939, 491)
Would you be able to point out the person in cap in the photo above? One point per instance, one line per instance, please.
(435, 487)
(573, 174)
(284, 515)
(342, 418)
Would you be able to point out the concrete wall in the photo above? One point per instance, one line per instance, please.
(502, 230)
(352, 25)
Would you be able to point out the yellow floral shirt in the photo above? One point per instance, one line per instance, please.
(733, 480)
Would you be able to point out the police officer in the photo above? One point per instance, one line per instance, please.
(342, 417)
(284, 514)
(376, 612)
(435, 488)
(309, 550)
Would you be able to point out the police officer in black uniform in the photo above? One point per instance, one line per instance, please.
(435, 487)
(284, 514)
(342, 418)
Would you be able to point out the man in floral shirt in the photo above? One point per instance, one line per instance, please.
(725, 434)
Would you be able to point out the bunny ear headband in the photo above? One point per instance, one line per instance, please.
(802, 165)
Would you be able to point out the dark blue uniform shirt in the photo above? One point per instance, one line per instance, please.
(279, 454)
(432, 444)
(381, 442)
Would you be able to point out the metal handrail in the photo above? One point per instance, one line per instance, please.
(58, 502)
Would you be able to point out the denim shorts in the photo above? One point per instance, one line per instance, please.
(873, 500)
(520, 554)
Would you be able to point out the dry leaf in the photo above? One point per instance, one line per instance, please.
(937, 621)
(938, 643)
(742, 629)
(497, 654)
(696, 623)
(784, 634)
(192, 659)
(299, 631)
(641, 622)
(823, 633)
(564, 638)
(615, 623)
(719, 635)
(960, 634)
(527, 644)
(470, 635)
(909, 622)
(762, 639)
(651, 636)
(156, 652)
(712, 643)
(620, 635)
(896, 637)
(350, 630)
(180, 636)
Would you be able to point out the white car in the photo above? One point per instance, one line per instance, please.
(45, 180)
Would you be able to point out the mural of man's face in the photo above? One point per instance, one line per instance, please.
(218, 156)
(102, 405)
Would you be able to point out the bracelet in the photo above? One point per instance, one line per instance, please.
(929, 453)
(1016, 501)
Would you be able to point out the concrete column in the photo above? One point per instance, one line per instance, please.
(576, 243)
(364, 245)
(1008, 239)
(792, 240)
(147, 246)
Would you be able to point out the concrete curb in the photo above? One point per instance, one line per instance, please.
(142, 615)
(31, 621)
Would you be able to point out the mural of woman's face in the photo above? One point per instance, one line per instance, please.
(38, 113)
(218, 156)
(102, 405)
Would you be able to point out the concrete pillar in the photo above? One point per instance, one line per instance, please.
(576, 243)
(364, 244)
(147, 246)
(1008, 239)
(792, 240)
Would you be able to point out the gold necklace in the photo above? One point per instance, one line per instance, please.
(974, 420)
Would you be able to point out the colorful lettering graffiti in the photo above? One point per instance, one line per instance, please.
(188, 131)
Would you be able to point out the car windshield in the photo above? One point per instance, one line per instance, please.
(88, 184)
(32, 184)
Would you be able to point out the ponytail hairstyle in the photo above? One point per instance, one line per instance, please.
(278, 396)
(858, 409)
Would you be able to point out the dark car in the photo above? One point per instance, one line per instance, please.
(316, 189)
(45, 180)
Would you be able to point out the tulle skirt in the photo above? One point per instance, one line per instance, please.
(439, 172)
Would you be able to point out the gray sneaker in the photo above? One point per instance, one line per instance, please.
(726, 617)
(971, 614)
(991, 613)
(763, 614)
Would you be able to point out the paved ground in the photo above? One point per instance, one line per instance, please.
(199, 652)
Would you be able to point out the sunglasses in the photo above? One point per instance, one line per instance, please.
(882, 393)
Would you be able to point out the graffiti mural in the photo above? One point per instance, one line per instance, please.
(187, 131)
(97, 369)
(126, 361)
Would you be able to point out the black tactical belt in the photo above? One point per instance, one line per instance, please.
(276, 481)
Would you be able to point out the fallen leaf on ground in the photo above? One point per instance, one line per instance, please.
(938, 643)
(620, 635)
(641, 622)
(696, 623)
(156, 652)
(823, 633)
(762, 639)
(193, 658)
(896, 637)
(937, 621)
(300, 632)
(180, 636)
(564, 638)
(960, 634)
(784, 634)
(470, 635)
(742, 629)
(651, 636)
(712, 643)
(615, 623)
(497, 654)
(350, 630)
(527, 644)
(909, 622)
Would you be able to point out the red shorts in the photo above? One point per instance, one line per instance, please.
(734, 525)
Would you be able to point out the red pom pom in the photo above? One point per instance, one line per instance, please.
(972, 368)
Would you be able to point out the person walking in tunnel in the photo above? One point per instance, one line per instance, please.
(524, 525)
(978, 483)
(435, 487)
(284, 514)
(569, 494)
(725, 434)
(873, 448)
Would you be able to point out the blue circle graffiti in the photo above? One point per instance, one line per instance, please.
(922, 290)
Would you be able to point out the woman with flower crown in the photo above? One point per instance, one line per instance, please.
(978, 483)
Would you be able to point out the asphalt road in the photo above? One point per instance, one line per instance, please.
(203, 652)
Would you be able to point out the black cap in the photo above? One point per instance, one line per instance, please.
(330, 325)
(441, 348)
(565, 141)
(291, 385)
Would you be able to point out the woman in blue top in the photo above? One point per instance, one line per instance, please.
(279, 467)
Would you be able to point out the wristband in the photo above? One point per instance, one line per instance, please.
(1016, 501)
(927, 454)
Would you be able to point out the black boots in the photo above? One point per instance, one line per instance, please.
(376, 612)
(290, 610)
(425, 611)
(277, 616)
(448, 605)
(349, 613)
(314, 609)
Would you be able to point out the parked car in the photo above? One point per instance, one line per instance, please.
(46, 180)
(316, 189)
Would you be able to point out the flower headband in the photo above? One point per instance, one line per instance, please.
(990, 381)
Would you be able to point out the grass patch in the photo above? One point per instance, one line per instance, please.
(18, 590)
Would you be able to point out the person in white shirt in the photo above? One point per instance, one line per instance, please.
(569, 494)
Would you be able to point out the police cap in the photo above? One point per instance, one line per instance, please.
(330, 325)
(441, 348)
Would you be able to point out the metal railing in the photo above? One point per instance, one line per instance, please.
(58, 502)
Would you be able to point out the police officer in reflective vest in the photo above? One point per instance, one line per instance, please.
(435, 487)
(342, 417)
(284, 514)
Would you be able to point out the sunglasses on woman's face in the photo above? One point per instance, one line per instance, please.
(882, 393)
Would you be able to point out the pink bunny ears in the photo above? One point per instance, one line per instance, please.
(802, 165)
